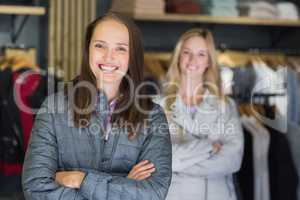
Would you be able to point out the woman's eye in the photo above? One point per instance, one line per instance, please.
(98, 45)
(185, 53)
(123, 49)
(202, 54)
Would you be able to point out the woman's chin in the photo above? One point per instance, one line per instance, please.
(109, 80)
(193, 73)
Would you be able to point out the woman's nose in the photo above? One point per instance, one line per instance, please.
(109, 55)
(192, 59)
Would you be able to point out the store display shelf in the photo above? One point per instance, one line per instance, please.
(215, 20)
(22, 10)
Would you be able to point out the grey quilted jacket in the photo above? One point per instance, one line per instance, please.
(57, 145)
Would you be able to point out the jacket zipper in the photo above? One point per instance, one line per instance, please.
(205, 188)
(228, 185)
(103, 143)
(114, 147)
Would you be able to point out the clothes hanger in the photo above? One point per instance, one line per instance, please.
(249, 109)
(294, 63)
(233, 58)
(4, 63)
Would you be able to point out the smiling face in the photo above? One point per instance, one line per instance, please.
(109, 52)
(194, 57)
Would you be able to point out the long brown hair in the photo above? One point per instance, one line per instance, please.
(83, 96)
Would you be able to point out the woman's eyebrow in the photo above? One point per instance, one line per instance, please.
(99, 41)
(122, 43)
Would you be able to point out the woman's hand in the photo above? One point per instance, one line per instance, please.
(141, 171)
(71, 179)
(217, 146)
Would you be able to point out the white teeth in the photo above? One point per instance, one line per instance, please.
(192, 67)
(108, 69)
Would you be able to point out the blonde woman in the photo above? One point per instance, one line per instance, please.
(206, 134)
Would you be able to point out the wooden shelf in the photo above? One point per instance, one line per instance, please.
(216, 20)
(158, 55)
(22, 10)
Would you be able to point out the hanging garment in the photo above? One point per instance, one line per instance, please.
(293, 108)
(227, 79)
(293, 136)
(17, 116)
(245, 177)
(244, 81)
(261, 141)
(11, 136)
(282, 172)
(26, 87)
(16, 122)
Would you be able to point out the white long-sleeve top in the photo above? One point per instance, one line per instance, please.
(198, 172)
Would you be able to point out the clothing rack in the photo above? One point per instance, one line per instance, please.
(18, 11)
(247, 99)
(3, 48)
(267, 107)
(286, 51)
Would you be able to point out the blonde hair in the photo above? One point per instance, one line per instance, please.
(212, 80)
